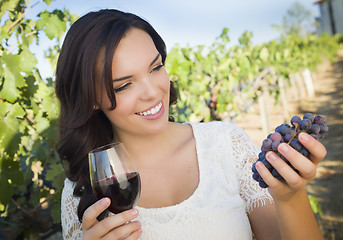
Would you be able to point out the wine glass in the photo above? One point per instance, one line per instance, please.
(113, 175)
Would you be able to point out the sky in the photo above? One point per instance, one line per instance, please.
(192, 22)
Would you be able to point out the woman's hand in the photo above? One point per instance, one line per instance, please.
(294, 182)
(113, 227)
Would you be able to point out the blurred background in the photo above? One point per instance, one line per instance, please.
(255, 63)
(197, 22)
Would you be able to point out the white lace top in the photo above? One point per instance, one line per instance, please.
(218, 207)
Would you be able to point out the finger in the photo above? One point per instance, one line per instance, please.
(91, 213)
(268, 178)
(135, 235)
(306, 167)
(114, 221)
(316, 149)
(125, 231)
(291, 177)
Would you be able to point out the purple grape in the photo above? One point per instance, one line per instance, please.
(284, 129)
(315, 128)
(275, 145)
(266, 145)
(261, 156)
(255, 176)
(296, 144)
(309, 116)
(275, 173)
(263, 184)
(305, 124)
(319, 119)
(314, 136)
(287, 137)
(304, 152)
(324, 128)
(267, 164)
(253, 168)
(295, 119)
(275, 137)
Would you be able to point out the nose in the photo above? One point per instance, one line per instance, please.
(149, 89)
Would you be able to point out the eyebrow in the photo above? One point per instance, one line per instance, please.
(155, 59)
(130, 76)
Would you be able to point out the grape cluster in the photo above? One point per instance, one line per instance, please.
(316, 126)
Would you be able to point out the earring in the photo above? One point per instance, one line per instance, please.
(94, 107)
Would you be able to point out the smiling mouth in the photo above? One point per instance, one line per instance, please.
(152, 111)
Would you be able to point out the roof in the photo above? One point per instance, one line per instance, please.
(319, 1)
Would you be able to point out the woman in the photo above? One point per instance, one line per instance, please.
(196, 178)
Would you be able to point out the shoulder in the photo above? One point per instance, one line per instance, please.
(68, 189)
(68, 184)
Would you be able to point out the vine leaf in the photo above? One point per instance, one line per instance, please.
(12, 77)
(53, 26)
(7, 5)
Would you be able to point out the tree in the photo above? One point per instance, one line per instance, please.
(298, 20)
(31, 177)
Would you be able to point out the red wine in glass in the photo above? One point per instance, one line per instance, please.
(123, 195)
(114, 175)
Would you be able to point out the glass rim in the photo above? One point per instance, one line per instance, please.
(105, 147)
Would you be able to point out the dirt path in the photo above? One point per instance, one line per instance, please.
(328, 187)
(328, 101)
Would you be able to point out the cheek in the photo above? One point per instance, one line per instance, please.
(126, 105)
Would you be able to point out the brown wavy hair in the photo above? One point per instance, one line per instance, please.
(82, 128)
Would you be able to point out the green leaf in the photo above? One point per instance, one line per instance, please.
(12, 143)
(31, 88)
(27, 61)
(17, 111)
(12, 77)
(6, 190)
(48, 2)
(10, 136)
(53, 26)
(12, 171)
(42, 123)
(4, 109)
(7, 5)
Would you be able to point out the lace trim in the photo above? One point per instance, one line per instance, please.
(71, 227)
(245, 153)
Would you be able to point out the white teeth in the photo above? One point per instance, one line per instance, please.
(152, 111)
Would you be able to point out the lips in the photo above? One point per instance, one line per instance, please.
(151, 111)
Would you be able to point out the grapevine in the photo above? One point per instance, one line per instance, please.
(315, 126)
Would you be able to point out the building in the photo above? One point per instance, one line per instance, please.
(331, 16)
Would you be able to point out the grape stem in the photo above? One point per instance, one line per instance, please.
(296, 132)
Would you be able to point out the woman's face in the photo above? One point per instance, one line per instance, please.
(141, 86)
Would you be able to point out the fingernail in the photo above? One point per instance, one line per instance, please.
(283, 147)
(304, 136)
(271, 156)
(134, 212)
(104, 201)
(259, 165)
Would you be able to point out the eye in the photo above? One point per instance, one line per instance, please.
(155, 69)
(121, 88)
